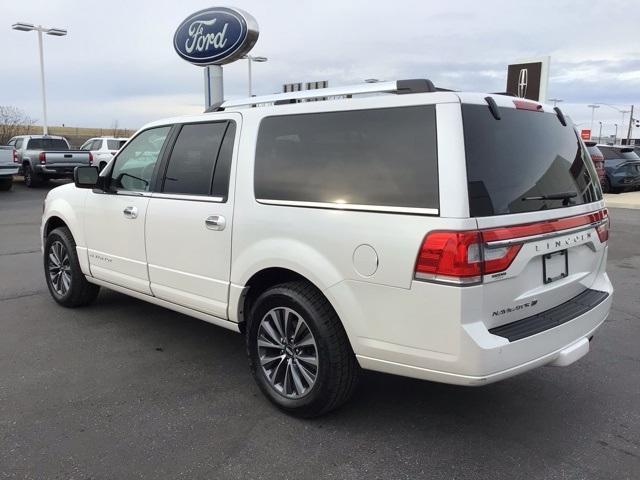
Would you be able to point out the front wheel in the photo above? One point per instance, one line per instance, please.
(298, 351)
(67, 284)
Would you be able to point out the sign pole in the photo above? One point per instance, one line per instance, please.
(213, 85)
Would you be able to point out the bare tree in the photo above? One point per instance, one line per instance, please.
(115, 128)
(13, 121)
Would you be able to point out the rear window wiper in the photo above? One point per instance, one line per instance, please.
(553, 196)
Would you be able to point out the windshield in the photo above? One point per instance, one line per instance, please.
(515, 162)
(47, 144)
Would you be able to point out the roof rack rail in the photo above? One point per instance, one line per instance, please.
(397, 87)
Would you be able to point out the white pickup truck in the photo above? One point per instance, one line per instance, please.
(41, 157)
(8, 168)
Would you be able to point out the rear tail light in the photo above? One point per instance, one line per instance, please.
(90, 158)
(15, 156)
(603, 228)
(43, 158)
(463, 257)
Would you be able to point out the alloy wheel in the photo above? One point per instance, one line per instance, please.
(59, 267)
(288, 352)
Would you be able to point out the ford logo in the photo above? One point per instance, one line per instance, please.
(215, 36)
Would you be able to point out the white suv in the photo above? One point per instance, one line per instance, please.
(103, 149)
(446, 236)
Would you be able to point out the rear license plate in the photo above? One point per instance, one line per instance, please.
(555, 266)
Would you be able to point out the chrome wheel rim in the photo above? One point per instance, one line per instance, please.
(288, 352)
(59, 266)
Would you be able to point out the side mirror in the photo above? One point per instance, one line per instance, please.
(85, 177)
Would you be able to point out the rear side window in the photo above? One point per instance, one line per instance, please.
(115, 144)
(47, 144)
(382, 157)
(516, 163)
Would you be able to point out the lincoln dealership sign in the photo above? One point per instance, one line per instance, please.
(215, 36)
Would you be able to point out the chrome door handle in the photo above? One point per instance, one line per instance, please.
(215, 222)
(130, 212)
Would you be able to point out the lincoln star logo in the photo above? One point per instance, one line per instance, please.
(523, 80)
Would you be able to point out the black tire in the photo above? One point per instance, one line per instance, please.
(31, 180)
(337, 369)
(6, 184)
(79, 292)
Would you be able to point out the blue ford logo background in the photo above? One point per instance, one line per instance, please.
(215, 36)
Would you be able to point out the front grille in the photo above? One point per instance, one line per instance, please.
(553, 317)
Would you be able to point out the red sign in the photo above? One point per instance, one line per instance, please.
(585, 133)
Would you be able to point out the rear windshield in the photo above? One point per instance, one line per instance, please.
(47, 144)
(115, 144)
(515, 162)
(612, 153)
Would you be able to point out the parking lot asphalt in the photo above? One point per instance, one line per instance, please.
(124, 389)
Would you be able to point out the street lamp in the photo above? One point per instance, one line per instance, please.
(593, 111)
(615, 135)
(600, 133)
(251, 58)
(56, 32)
(555, 101)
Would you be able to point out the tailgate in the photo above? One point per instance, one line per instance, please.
(555, 261)
(537, 201)
(68, 157)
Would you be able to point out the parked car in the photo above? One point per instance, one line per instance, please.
(8, 168)
(453, 237)
(597, 158)
(103, 149)
(42, 157)
(622, 168)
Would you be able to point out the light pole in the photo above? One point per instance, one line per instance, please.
(615, 135)
(593, 112)
(600, 133)
(56, 32)
(555, 101)
(251, 58)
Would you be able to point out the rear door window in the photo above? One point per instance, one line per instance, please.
(378, 157)
(514, 164)
(193, 158)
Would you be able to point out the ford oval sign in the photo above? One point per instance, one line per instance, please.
(215, 36)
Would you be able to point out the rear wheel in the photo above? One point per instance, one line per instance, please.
(5, 184)
(31, 180)
(67, 284)
(298, 350)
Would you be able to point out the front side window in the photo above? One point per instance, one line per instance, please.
(87, 145)
(378, 157)
(193, 158)
(97, 144)
(134, 166)
(19, 143)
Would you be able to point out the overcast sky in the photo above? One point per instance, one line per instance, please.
(118, 62)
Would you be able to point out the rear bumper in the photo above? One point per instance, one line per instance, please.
(7, 170)
(439, 347)
(56, 171)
